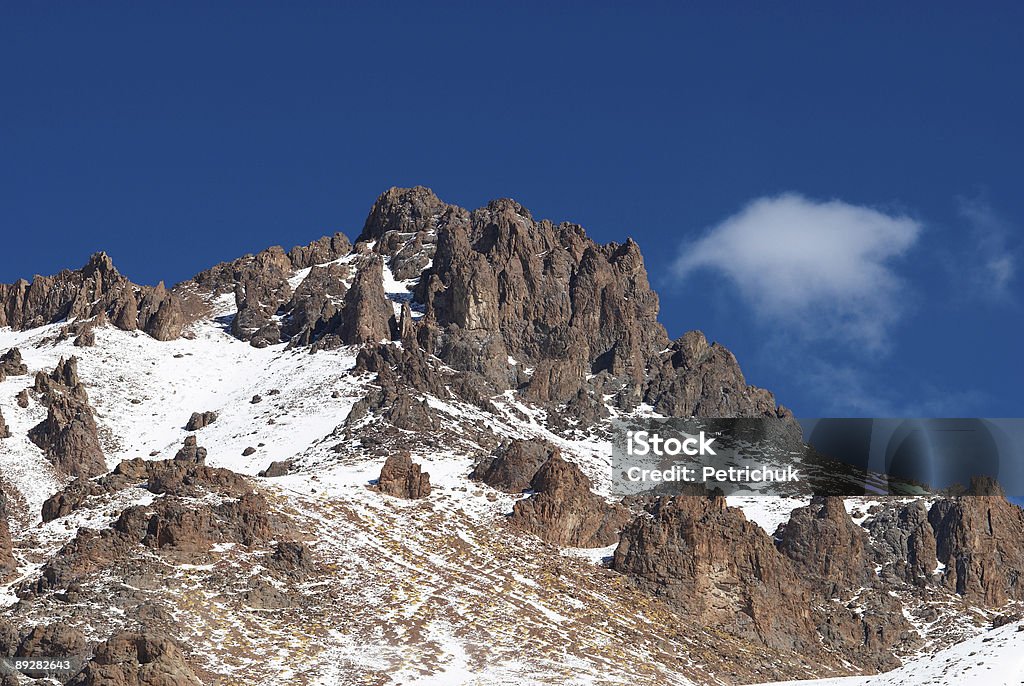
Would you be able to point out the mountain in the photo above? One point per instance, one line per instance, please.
(389, 462)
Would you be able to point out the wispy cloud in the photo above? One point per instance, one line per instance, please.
(987, 265)
(814, 270)
(847, 391)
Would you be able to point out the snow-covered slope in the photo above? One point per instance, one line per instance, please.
(994, 658)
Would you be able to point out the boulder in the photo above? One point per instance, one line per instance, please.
(402, 478)
(277, 468)
(200, 420)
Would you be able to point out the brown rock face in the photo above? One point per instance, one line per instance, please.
(580, 315)
(402, 478)
(95, 290)
(55, 640)
(549, 291)
(11, 364)
(191, 451)
(903, 542)
(695, 378)
(68, 435)
(162, 314)
(368, 316)
(182, 526)
(185, 477)
(719, 569)
(319, 251)
(980, 539)
(175, 524)
(260, 285)
(403, 225)
(5, 432)
(513, 466)
(200, 420)
(565, 512)
(7, 562)
(314, 310)
(828, 549)
(137, 659)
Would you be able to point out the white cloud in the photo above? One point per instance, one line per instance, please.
(988, 266)
(817, 270)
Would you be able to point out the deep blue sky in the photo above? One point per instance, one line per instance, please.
(178, 136)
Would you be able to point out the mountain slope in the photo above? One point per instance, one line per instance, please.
(262, 552)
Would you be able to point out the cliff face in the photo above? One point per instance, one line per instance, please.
(501, 284)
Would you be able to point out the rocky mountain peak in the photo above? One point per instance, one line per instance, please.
(403, 210)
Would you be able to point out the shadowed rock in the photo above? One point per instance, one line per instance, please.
(7, 562)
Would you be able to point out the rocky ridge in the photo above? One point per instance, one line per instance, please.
(501, 341)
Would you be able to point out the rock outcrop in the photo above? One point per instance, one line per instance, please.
(513, 465)
(53, 640)
(191, 451)
(696, 379)
(95, 290)
(403, 478)
(201, 506)
(368, 316)
(261, 288)
(7, 561)
(11, 364)
(200, 420)
(978, 538)
(137, 659)
(828, 549)
(68, 435)
(5, 431)
(565, 512)
(579, 315)
(903, 543)
(720, 570)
